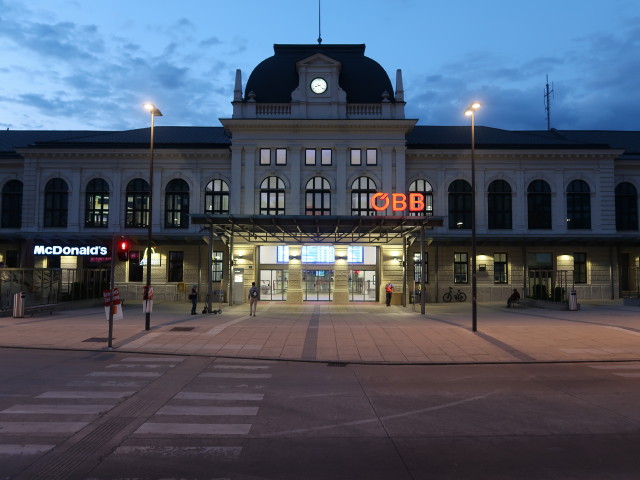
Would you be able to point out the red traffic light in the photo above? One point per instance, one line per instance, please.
(123, 250)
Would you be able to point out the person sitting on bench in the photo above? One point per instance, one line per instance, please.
(514, 297)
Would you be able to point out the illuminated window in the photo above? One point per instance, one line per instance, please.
(265, 156)
(217, 267)
(460, 268)
(356, 157)
(216, 197)
(423, 187)
(362, 189)
(97, 204)
(325, 156)
(372, 156)
(281, 156)
(310, 156)
(272, 196)
(176, 206)
(318, 197)
(137, 207)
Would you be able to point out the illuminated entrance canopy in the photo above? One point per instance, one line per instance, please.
(399, 202)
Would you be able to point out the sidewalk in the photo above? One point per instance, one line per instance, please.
(357, 332)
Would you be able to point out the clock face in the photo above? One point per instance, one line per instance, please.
(318, 85)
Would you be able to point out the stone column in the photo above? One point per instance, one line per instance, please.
(341, 275)
(294, 289)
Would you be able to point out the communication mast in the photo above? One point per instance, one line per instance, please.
(319, 34)
(548, 92)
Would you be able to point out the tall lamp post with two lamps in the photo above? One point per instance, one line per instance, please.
(151, 108)
(470, 112)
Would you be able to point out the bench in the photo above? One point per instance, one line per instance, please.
(33, 309)
(520, 303)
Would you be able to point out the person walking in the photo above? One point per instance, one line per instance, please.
(254, 294)
(389, 291)
(193, 296)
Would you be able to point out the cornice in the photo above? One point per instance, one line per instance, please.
(302, 124)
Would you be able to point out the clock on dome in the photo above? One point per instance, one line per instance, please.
(318, 85)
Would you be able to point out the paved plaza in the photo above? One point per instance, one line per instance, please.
(353, 333)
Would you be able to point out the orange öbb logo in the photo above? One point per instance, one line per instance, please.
(398, 202)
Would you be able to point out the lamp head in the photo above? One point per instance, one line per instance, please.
(151, 108)
(472, 108)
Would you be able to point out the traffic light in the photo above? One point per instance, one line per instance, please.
(123, 250)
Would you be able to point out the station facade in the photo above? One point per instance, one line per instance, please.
(307, 191)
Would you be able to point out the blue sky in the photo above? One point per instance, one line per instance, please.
(90, 64)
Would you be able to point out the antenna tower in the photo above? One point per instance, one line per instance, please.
(548, 92)
(319, 34)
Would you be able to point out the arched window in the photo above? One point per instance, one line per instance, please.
(216, 197)
(423, 187)
(578, 205)
(176, 204)
(12, 204)
(539, 205)
(459, 204)
(272, 196)
(97, 204)
(137, 206)
(318, 197)
(499, 205)
(56, 203)
(626, 207)
(361, 191)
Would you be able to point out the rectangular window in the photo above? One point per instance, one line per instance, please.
(136, 269)
(372, 156)
(500, 268)
(282, 254)
(460, 268)
(265, 156)
(217, 267)
(356, 157)
(417, 268)
(325, 156)
(281, 156)
(580, 267)
(176, 261)
(310, 156)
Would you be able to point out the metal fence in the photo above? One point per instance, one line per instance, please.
(549, 285)
(43, 286)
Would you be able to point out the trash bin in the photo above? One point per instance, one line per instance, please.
(18, 305)
(573, 301)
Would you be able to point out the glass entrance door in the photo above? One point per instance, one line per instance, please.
(362, 285)
(317, 285)
(273, 284)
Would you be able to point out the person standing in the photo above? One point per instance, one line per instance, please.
(389, 291)
(254, 294)
(193, 296)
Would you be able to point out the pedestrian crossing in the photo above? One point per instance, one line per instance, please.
(206, 419)
(52, 416)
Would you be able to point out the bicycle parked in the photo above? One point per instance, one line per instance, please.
(450, 295)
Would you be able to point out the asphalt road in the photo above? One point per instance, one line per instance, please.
(104, 415)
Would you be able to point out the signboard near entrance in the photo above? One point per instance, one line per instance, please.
(399, 202)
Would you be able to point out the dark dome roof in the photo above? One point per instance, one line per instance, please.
(362, 78)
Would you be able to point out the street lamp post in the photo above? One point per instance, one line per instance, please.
(151, 108)
(470, 112)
